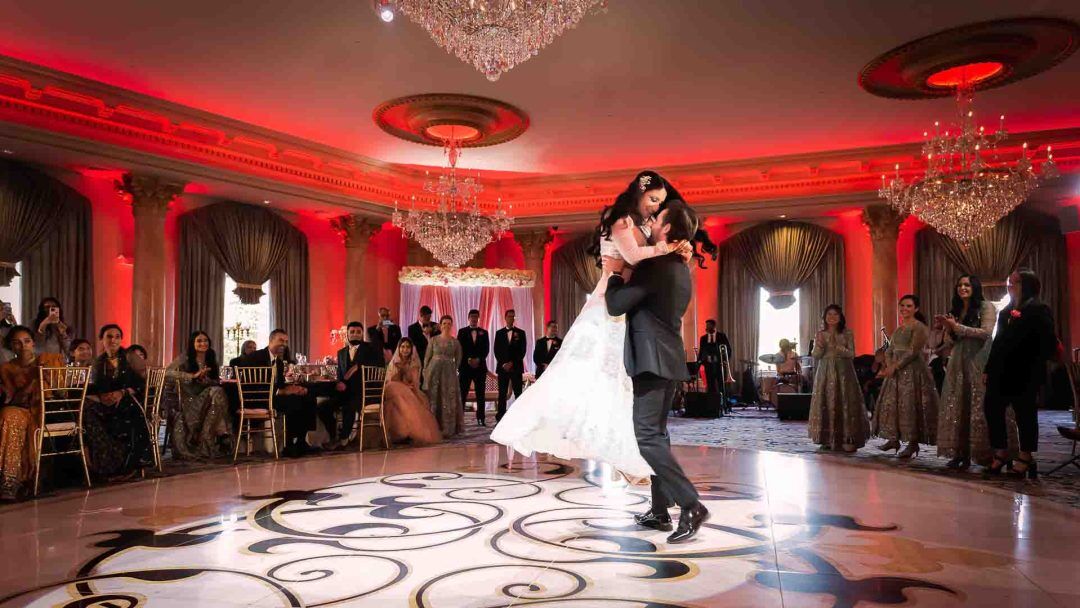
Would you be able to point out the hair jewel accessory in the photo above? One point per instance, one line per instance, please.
(644, 181)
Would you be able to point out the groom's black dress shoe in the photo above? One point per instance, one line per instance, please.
(655, 521)
(689, 522)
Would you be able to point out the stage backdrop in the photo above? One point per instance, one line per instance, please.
(455, 292)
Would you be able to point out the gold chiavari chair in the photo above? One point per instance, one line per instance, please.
(256, 388)
(372, 403)
(63, 396)
(151, 404)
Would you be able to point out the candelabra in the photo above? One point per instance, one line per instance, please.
(237, 333)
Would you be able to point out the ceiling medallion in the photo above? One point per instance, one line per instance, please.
(494, 36)
(476, 121)
(990, 54)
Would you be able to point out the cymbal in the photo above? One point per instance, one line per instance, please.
(771, 359)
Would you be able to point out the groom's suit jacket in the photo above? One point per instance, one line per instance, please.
(654, 301)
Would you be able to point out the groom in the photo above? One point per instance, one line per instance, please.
(654, 300)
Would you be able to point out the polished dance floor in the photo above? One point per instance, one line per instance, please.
(459, 526)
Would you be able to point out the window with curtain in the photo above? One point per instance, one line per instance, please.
(254, 317)
(775, 324)
(11, 295)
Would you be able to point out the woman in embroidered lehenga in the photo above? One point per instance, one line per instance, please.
(838, 418)
(441, 360)
(582, 406)
(202, 427)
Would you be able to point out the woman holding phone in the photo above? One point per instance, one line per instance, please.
(53, 335)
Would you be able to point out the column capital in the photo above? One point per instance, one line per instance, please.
(355, 230)
(149, 193)
(533, 242)
(883, 221)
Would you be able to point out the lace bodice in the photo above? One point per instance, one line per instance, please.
(609, 248)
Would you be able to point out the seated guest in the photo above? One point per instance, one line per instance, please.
(350, 386)
(19, 416)
(248, 347)
(292, 401)
(117, 440)
(7, 321)
(416, 331)
(53, 334)
(82, 353)
(406, 407)
(546, 348)
(136, 356)
(202, 429)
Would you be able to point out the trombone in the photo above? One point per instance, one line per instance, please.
(725, 363)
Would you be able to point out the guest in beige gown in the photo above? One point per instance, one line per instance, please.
(838, 418)
(202, 426)
(441, 363)
(907, 406)
(405, 406)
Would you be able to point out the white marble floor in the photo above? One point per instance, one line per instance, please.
(458, 527)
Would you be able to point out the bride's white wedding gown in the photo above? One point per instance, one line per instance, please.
(583, 404)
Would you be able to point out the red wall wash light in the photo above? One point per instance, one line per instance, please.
(967, 74)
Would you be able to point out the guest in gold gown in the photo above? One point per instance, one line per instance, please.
(441, 363)
(962, 433)
(202, 429)
(837, 414)
(20, 414)
(406, 407)
(907, 406)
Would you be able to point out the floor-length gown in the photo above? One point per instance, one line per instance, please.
(407, 409)
(583, 405)
(116, 435)
(441, 383)
(18, 420)
(837, 414)
(201, 425)
(907, 407)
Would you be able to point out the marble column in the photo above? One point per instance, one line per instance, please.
(883, 223)
(534, 246)
(356, 232)
(150, 200)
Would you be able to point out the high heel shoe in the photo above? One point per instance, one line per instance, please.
(998, 465)
(1030, 470)
(912, 449)
(959, 463)
(892, 444)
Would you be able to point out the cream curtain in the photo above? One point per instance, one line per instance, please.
(738, 316)
(574, 274)
(781, 256)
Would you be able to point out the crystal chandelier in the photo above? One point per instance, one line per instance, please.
(966, 188)
(456, 230)
(496, 35)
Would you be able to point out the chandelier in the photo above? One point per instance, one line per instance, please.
(456, 230)
(967, 188)
(496, 35)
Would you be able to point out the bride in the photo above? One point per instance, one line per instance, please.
(582, 407)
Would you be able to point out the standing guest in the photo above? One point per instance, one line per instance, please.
(416, 331)
(115, 430)
(907, 407)
(475, 346)
(709, 356)
(82, 353)
(19, 379)
(350, 386)
(53, 334)
(838, 418)
(406, 407)
(510, 351)
(293, 401)
(1016, 369)
(203, 428)
(385, 333)
(962, 434)
(442, 361)
(136, 356)
(546, 348)
(7, 321)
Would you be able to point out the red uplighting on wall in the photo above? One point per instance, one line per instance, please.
(967, 74)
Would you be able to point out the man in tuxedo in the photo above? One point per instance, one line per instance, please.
(349, 390)
(654, 300)
(475, 346)
(709, 356)
(293, 401)
(416, 331)
(510, 350)
(546, 348)
(385, 334)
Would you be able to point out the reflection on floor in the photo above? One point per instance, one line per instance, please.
(459, 526)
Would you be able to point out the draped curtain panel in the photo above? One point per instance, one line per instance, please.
(739, 315)
(248, 241)
(998, 252)
(200, 290)
(782, 255)
(31, 204)
(289, 294)
(62, 266)
(464, 299)
(825, 286)
(574, 275)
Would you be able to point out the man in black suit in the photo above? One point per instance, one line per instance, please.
(416, 331)
(349, 390)
(385, 334)
(654, 301)
(475, 346)
(709, 356)
(510, 350)
(546, 348)
(292, 401)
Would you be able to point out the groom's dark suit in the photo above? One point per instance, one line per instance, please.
(654, 301)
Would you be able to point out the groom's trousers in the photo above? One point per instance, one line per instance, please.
(653, 396)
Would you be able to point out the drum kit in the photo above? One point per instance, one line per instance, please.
(770, 383)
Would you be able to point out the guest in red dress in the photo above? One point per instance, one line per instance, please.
(406, 407)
